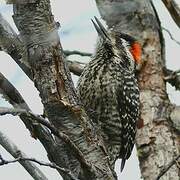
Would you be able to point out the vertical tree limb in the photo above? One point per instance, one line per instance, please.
(157, 142)
(52, 78)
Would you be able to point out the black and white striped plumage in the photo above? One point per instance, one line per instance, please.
(108, 87)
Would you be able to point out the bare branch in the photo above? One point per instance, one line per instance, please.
(75, 67)
(20, 1)
(51, 165)
(39, 119)
(165, 169)
(11, 44)
(174, 10)
(53, 81)
(11, 94)
(69, 53)
(14, 112)
(34, 171)
(172, 77)
(171, 36)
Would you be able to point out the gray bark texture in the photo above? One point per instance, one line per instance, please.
(52, 78)
(157, 140)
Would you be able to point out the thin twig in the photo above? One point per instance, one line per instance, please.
(12, 148)
(20, 1)
(171, 36)
(41, 120)
(51, 165)
(165, 169)
(69, 53)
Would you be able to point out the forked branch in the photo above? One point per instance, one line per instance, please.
(41, 120)
(51, 165)
(34, 171)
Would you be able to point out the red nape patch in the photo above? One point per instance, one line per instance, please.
(136, 52)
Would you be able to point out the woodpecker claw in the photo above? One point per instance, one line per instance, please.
(100, 29)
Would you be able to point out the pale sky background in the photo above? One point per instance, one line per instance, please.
(77, 33)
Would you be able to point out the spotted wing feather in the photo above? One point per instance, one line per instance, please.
(129, 109)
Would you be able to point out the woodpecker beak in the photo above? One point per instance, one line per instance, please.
(102, 32)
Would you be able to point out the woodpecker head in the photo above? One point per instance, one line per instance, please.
(118, 44)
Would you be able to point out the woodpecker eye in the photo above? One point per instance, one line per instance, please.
(128, 44)
(125, 42)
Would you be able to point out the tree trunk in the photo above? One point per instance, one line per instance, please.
(52, 78)
(157, 141)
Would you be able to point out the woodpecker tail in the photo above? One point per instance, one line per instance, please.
(123, 161)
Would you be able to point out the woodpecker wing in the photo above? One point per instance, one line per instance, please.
(128, 101)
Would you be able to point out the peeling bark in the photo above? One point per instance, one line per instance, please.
(157, 142)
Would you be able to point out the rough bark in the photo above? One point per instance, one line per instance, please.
(38, 31)
(157, 141)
